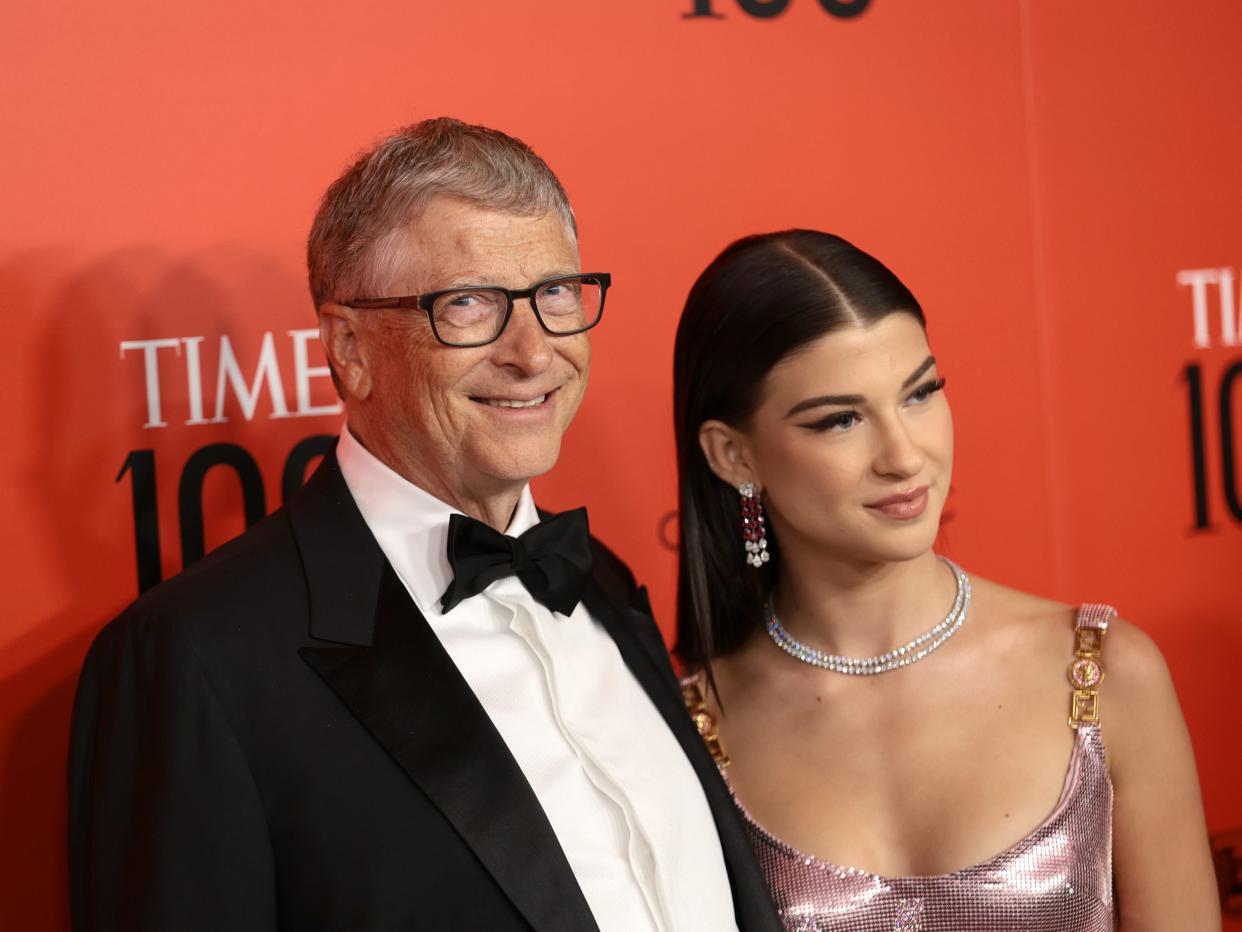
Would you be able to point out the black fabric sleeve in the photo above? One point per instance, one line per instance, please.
(166, 826)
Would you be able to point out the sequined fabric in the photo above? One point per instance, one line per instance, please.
(1059, 877)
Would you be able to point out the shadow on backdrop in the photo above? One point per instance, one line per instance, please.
(89, 416)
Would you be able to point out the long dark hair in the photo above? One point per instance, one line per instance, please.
(762, 298)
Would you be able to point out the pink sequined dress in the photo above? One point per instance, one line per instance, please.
(1056, 879)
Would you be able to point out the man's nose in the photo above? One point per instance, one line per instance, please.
(524, 343)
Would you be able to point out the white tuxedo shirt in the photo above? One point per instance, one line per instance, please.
(618, 791)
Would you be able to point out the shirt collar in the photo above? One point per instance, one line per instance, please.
(409, 523)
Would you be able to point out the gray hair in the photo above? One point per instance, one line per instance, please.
(354, 249)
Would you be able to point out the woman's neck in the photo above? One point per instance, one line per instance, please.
(861, 608)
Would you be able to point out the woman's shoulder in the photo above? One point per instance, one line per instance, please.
(1137, 689)
(1126, 647)
(1024, 624)
(1132, 653)
(1138, 699)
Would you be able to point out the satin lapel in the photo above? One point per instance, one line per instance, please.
(648, 660)
(408, 693)
(398, 680)
(342, 561)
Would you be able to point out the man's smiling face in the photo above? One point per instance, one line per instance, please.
(447, 415)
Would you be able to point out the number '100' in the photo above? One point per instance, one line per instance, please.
(762, 9)
(140, 467)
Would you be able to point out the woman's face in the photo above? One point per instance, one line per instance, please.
(852, 443)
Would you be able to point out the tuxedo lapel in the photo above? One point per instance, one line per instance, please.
(647, 659)
(396, 678)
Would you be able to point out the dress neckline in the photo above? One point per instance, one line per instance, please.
(1072, 775)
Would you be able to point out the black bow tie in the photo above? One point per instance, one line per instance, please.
(552, 559)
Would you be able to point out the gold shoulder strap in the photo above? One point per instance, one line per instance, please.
(1085, 671)
(693, 695)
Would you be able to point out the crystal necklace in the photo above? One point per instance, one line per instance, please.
(910, 652)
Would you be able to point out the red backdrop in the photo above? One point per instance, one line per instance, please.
(1055, 180)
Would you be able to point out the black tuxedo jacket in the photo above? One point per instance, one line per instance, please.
(276, 739)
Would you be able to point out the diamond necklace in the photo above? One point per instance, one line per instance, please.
(910, 652)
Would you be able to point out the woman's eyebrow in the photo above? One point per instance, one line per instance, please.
(917, 373)
(821, 400)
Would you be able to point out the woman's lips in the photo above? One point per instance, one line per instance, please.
(903, 507)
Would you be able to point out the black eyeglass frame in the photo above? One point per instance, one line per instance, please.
(426, 302)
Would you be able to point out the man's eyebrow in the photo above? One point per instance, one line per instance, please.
(473, 280)
(822, 400)
(467, 281)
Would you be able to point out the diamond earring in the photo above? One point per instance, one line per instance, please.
(753, 534)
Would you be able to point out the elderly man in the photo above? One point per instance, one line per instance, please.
(409, 700)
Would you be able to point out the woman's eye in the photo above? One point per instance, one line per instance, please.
(843, 420)
(921, 394)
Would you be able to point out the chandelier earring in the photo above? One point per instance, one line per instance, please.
(754, 536)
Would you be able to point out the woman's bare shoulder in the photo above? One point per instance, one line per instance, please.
(1136, 696)
(1015, 602)
(1022, 619)
(1139, 707)
(1132, 658)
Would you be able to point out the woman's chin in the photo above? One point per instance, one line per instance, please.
(893, 548)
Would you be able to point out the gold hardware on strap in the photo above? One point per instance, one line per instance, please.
(1085, 671)
(704, 721)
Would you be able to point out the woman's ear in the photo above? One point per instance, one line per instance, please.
(727, 453)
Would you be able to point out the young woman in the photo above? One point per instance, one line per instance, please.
(895, 729)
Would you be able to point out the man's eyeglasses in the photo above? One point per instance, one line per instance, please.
(476, 316)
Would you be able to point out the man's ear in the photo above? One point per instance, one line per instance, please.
(341, 332)
(727, 453)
